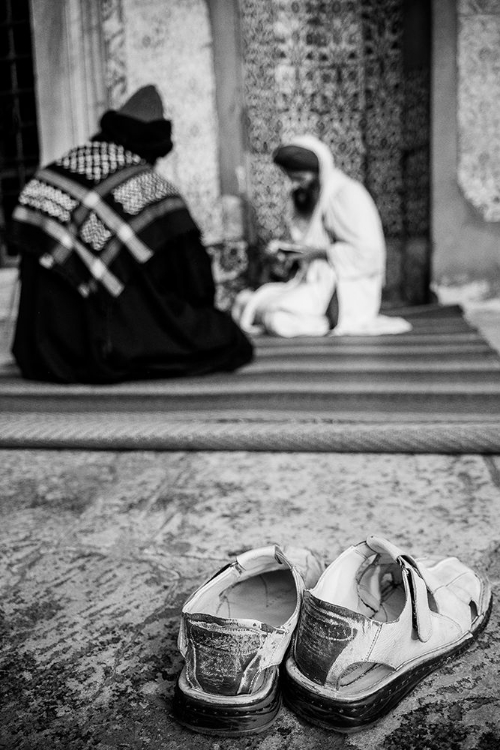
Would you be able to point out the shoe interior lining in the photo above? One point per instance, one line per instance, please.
(270, 598)
(381, 593)
(372, 589)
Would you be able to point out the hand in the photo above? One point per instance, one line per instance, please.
(313, 253)
(302, 255)
(273, 247)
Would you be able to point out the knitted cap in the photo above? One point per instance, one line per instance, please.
(145, 105)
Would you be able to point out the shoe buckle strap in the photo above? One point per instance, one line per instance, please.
(422, 620)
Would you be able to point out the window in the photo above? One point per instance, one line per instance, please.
(19, 149)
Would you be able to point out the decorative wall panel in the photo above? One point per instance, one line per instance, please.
(169, 44)
(114, 51)
(331, 68)
(337, 70)
(416, 153)
(303, 65)
(384, 105)
(479, 104)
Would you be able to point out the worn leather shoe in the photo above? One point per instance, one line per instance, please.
(377, 622)
(234, 632)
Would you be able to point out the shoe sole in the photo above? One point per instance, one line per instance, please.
(348, 716)
(226, 719)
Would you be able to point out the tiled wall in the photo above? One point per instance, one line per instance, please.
(339, 71)
(333, 69)
(170, 44)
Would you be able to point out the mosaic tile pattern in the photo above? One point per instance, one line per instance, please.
(479, 105)
(333, 69)
(170, 45)
(303, 73)
(336, 70)
(416, 154)
(384, 107)
(230, 271)
(114, 51)
(471, 7)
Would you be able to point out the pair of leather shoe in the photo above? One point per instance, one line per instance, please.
(342, 645)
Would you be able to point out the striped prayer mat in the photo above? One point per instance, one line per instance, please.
(435, 389)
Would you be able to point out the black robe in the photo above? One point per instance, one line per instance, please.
(162, 324)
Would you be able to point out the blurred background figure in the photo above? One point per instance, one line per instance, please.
(337, 242)
(115, 281)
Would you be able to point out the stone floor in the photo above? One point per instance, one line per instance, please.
(98, 551)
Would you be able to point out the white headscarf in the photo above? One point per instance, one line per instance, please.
(359, 291)
(312, 232)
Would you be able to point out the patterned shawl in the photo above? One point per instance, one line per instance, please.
(96, 213)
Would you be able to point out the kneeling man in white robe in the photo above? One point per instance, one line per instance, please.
(338, 241)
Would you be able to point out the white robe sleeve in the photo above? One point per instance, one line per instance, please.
(353, 222)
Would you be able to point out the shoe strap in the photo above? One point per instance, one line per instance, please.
(421, 613)
(417, 585)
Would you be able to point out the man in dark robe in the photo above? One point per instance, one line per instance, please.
(115, 281)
